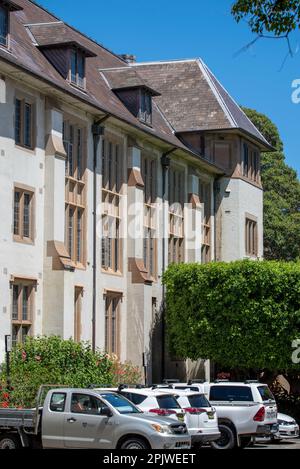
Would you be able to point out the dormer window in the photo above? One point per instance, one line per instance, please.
(3, 25)
(6, 7)
(145, 114)
(77, 69)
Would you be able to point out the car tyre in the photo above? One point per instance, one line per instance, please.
(9, 441)
(227, 439)
(134, 444)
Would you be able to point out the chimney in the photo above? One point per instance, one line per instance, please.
(129, 58)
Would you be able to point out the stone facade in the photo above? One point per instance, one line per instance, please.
(216, 194)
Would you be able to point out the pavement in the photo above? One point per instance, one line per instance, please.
(284, 444)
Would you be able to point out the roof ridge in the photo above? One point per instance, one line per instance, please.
(159, 62)
(34, 2)
(234, 101)
(216, 92)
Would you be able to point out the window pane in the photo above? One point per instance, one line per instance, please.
(79, 236)
(26, 216)
(25, 304)
(107, 308)
(167, 402)
(15, 311)
(18, 110)
(3, 25)
(25, 333)
(73, 66)
(80, 58)
(28, 125)
(231, 393)
(14, 333)
(70, 230)
(17, 213)
(79, 153)
(85, 404)
(57, 403)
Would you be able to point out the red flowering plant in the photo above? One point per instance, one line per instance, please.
(124, 373)
(4, 396)
(52, 360)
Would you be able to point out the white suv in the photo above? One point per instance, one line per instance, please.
(245, 410)
(200, 417)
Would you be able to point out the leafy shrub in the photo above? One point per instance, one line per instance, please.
(243, 314)
(51, 360)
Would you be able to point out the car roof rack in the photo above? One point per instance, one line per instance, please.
(171, 381)
(250, 381)
(122, 386)
(195, 381)
(221, 381)
(93, 386)
(140, 386)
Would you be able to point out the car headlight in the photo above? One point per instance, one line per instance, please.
(161, 428)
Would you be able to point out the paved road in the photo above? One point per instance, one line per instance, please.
(288, 444)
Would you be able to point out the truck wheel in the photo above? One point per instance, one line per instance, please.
(134, 443)
(9, 441)
(227, 439)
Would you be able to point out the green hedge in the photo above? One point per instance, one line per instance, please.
(51, 360)
(241, 314)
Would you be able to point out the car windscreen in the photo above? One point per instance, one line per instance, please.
(122, 405)
(198, 400)
(266, 393)
(231, 393)
(167, 402)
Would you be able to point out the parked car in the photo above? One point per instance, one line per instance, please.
(152, 401)
(245, 410)
(288, 429)
(85, 418)
(200, 417)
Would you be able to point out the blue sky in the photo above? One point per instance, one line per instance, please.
(161, 29)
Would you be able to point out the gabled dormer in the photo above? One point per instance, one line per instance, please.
(134, 92)
(6, 8)
(60, 45)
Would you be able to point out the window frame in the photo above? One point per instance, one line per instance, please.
(176, 197)
(74, 78)
(251, 236)
(251, 162)
(78, 294)
(111, 197)
(112, 335)
(18, 322)
(74, 139)
(19, 236)
(21, 128)
(205, 195)
(7, 36)
(149, 176)
(145, 107)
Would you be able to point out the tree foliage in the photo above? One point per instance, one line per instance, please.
(242, 314)
(281, 195)
(52, 360)
(280, 17)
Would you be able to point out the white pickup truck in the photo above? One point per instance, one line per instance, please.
(245, 410)
(82, 418)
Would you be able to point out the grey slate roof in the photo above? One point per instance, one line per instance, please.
(125, 77)
(193, 99)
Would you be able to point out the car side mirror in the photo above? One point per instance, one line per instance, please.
(106, 412)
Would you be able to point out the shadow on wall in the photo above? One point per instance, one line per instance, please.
(175, 367)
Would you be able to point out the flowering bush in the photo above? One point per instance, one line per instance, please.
(53, 361)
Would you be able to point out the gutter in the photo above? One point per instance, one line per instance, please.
(90, 102)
